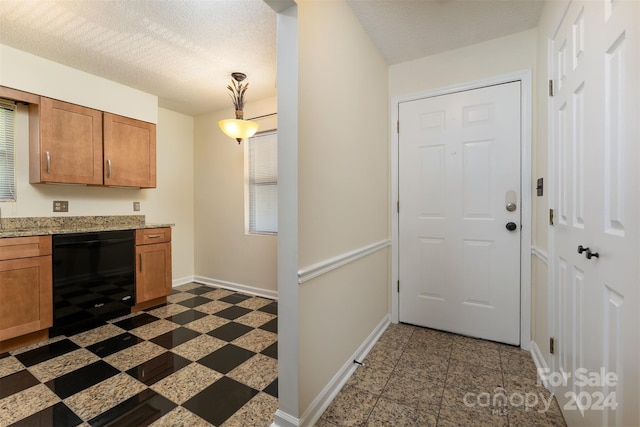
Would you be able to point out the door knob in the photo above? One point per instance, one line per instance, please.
(511, 226)
(511, 207)
(588, 252)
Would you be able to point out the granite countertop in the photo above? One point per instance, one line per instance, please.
(38, 226)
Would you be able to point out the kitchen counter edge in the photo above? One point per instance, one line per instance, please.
(84, 229)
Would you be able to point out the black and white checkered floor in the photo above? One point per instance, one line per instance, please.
(207, 357)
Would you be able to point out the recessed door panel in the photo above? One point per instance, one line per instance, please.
(477, 273)
(433, 281)
(478, 170)
(432, 178)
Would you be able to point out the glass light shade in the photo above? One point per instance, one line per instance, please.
(238, 129)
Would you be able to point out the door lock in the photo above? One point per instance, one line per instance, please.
(511, 200)
(511, 226)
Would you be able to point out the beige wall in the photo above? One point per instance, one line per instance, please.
(343, 181)
(480, 61)
(30, 73)
(173, 199)
(223, 249)
(170, 202)
(337, 312)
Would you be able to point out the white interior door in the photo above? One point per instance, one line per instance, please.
(459, 168)
(595, 113)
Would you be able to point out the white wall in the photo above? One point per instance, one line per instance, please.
(343, 189)
(172, 200)
(225, 253)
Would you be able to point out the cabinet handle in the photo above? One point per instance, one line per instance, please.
(140, 256)
(154, 236)
(48, 162)
(108, 168)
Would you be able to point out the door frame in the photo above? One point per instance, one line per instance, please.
(524, 77)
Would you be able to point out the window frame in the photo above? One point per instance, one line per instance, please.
(249, 186)
(8, 184)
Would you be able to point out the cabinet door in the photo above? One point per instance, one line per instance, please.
(153, 271)
(70, 146)
(129, 152)
(25, 296)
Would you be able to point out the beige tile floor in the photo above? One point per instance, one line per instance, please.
(421, 377)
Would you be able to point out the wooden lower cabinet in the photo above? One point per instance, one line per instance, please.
(26, 283)
(153, 267)
(26, 295)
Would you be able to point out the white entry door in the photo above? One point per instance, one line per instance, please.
(595, 278)
(459, 219)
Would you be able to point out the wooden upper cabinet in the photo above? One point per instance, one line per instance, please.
(66, 143)
(129, 152)
(72, 144)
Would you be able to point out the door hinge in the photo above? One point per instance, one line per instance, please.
(552, 345)
(551, 88)
(398, 286)
(398, 126)
(550, 216)
(398, 206)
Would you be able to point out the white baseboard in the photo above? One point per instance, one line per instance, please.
(329, 392)
(266, 293)
(182, 281)
(283, 419)
(539, 361)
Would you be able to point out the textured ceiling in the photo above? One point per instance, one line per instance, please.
(405, 30)
(184, 51)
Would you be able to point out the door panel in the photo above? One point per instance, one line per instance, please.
(459, 158)
(595, 132)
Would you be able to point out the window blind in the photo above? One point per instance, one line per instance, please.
(7, 151)
(263, 183)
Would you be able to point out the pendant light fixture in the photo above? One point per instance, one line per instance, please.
(238, 128)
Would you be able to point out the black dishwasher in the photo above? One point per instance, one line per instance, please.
(93, 279)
